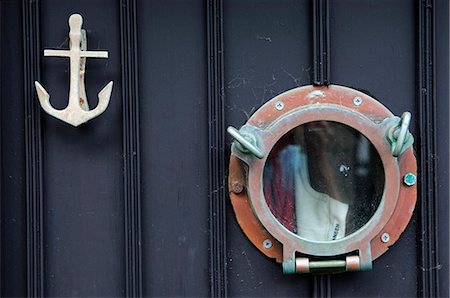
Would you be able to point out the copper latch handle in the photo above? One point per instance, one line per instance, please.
(247, 143)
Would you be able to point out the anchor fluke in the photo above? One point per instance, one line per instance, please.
(74, 114)
(44, 97)
(103, 98)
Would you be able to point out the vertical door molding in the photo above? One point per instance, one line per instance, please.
(216, 142)
(131, 148)
(321, 77)
(33, 150)
(427, 149)
(321, 42)
(1, 168)
(322, 286)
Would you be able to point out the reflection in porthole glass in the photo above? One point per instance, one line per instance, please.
(323, 180)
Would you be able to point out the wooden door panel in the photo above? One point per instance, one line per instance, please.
(134, 202)
(174, 143)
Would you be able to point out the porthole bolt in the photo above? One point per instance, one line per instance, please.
(279, 105)
(410, 179)
(385, 237)
(357, 101)
(245, 142)
(267, 243)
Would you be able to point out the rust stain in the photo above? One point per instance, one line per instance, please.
(247, 220)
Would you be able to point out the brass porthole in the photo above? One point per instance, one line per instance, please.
(323, 178)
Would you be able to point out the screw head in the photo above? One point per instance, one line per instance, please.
(410, 179)
(385, 237)
(267, 244)
(357, 101)
(279, 105)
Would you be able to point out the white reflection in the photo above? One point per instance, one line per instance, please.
(320, 217)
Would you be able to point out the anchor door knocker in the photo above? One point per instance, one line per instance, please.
(77, 110)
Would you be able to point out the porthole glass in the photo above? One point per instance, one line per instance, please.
(323, 180)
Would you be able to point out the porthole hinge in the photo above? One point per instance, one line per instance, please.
(305, 265)
(313, 264)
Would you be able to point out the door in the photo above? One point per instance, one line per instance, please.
(135, 202)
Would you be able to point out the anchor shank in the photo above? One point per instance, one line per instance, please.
(74, 92)
(75, 40)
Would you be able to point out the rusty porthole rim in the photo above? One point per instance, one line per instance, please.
(343, 97)
(301, 96)
(370, 229)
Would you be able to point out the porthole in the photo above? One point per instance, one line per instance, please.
(326, 176)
